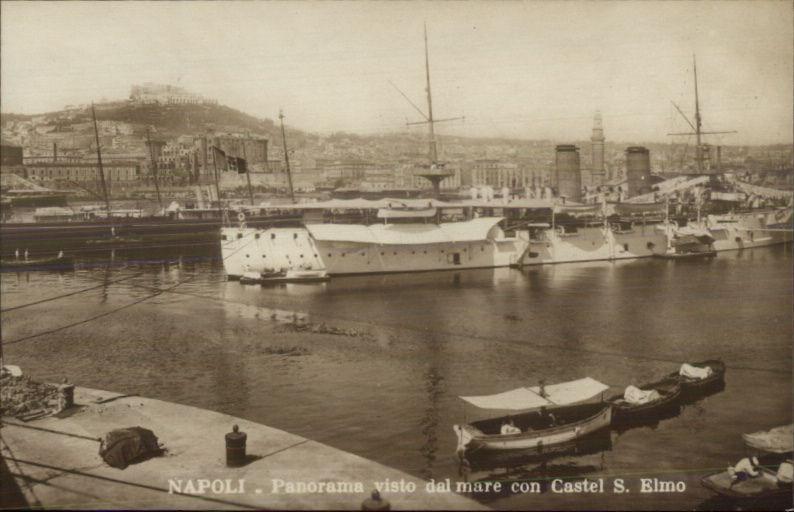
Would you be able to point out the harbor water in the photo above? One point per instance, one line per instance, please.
(374, 364)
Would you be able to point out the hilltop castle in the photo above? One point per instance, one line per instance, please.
(167, 95)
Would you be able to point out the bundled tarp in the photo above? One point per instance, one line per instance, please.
(637, 396)
(124, 446)
(776, 440)
(580, 210)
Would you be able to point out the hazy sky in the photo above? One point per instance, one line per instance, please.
(513, 69)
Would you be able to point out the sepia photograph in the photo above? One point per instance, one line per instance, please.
(411, 255)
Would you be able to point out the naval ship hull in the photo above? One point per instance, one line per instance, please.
(596, 244)
(353, 249)
(732, 232)
(146, 232)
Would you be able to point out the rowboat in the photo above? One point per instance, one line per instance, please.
(554, 417)
(693, 388)
(694, 385)
(54, 262)
(624, 411)
(686, 255)
(288, 276)
(767, 485)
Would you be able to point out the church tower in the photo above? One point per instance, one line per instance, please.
(598, 172)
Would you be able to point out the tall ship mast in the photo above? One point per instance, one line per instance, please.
(436, 173)
(697, 127)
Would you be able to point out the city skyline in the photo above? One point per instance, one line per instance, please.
(524, 71)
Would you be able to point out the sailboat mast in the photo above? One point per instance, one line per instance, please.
(698, 147)
(248, 173)
(99, 161)
(433, 145)
(286, 156)
(154, 169)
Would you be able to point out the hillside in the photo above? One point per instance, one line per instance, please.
(168, 120)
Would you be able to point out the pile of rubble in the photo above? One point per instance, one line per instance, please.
(322, 328)
(285, 351)
(20, 396)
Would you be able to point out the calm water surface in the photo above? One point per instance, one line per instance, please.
(390, 392)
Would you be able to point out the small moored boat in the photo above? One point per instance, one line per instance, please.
(287, 276)
(686, 255)
(768, 484)
(55, 262)
(700, 376)
(550, 419)
(648, 401)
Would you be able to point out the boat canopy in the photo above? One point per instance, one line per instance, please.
(391, 203)
(474, 230)
(776, 440)
(423, 213)
(639, 208)
(580, 210)
(693, 240)
(565, 393)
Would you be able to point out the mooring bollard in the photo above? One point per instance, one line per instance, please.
(375, 502)
(235, 447)
(65, 396)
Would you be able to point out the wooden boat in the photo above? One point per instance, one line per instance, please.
(762, 487)
(686, 255)
(625, 412)
(288, 276)
(115, 240)
(689, 384)
(54, 262)
(550, 421)
(693, 389)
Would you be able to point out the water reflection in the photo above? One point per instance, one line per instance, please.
(438, 335)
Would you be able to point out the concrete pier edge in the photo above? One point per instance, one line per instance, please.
(56, 465)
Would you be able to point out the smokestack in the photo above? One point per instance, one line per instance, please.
(54, 151)
(568, 173)
(638, 170)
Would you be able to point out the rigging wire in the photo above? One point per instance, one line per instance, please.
(115, 310)
(70, 294)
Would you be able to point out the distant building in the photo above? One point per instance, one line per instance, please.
(498, 174)
(598, 171)
(151, 93)
(54, 172)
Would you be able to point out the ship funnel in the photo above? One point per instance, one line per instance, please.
(568, 175)
(638, 170)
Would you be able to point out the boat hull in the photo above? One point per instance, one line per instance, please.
(535, 441)
(288, 277)
(146, 232)
(37, 264)
(666, 406)
(762, 487)
(595, 244)
(733, 232)
(258, 250)
(686, 255)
